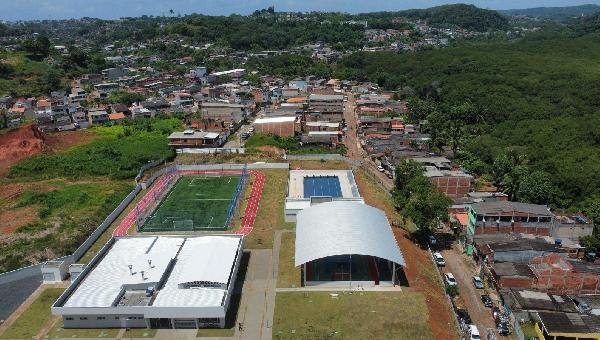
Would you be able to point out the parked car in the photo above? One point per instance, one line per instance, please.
(487, 301)
(380, 168)
(503, 329)
(439, 259)
(477, 282)
(432, 240)
(449, 279)
(463, 316)
(474, 332)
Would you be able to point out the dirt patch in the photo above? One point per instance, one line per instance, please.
(14, 218)
(20, 144)
(420, 272)
(28, 141)
(271, 151)
(64, 140)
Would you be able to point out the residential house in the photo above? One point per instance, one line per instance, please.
(114, 73)
(182, 99)
(504, 217)
(138, 111)
(321, 126)
(454, 183)
(332, 138)
(572, 226)
(120, 108)
(116, 117)
(77, 95)
(104, 89)
(195, 139)
(566, 326)
(80, 118)
(6, 102)
(285, 126)
(326, 103)
(97, 116)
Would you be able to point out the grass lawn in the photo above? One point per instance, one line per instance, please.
(215, 333)
(352, 315)
(270, 211)
(289, 276)
(32, 320)
(203, 200)
(139, 333)
(58, 332)
(320, 165)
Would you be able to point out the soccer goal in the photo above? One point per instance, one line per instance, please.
(183, 225)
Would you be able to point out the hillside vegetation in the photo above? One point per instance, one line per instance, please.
(554, 13)
(466, 16)
(539, 95)
(60, 198)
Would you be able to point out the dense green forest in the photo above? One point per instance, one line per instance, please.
(466, 16)
(539, 96)
(554, 13)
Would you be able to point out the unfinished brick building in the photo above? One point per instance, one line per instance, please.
(557, 274)
(504, 217)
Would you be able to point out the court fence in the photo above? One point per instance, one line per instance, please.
(239, 191)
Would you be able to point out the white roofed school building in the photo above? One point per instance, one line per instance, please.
(156, 282)
(344, 243)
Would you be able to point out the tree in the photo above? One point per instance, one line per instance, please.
(511, 183)
(124, 97)
(416, 197)
(536, 187)
(591, 208)
(419, 109)
(38, 47)
(458, 118)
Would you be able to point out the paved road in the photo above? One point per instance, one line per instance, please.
(464, 269)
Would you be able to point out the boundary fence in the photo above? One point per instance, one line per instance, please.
(239, 191)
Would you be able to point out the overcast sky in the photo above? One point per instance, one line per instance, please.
(110, 9)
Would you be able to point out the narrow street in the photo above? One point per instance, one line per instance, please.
(470, 297)
(352, 142)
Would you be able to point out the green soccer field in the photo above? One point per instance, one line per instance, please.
(194, 203)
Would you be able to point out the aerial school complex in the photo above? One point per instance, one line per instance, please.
(177, 273)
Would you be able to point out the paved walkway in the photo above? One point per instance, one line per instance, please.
(340, 289)
(253, 306)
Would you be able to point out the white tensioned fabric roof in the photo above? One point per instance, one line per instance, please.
(344, 228)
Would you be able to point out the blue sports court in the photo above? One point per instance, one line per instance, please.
(322, 186)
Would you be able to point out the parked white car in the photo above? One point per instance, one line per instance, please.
(439, 259)
(450, 280)
(474, 333)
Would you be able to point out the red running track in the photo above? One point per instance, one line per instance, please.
(253, 202)
(161, 183)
